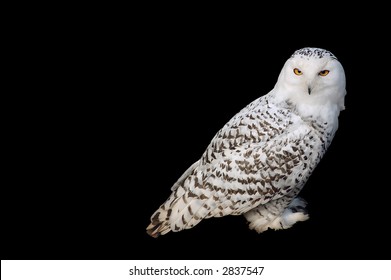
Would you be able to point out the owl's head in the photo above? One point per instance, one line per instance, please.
(312, 77)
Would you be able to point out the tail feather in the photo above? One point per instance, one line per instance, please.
(176, 214)
(160, 219)
(157, 230)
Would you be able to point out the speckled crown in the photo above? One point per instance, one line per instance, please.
(313, 53)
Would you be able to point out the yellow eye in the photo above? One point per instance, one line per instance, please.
(324, 72)
(297, 72)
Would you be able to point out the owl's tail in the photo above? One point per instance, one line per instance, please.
(176, 213)
(180, 201)
(160, 220)
(159, 223)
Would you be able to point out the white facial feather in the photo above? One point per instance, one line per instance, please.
(312, 93)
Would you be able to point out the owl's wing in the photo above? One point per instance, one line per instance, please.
(255, 158)
(242, 178)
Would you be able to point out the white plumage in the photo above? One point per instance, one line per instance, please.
(260, 160)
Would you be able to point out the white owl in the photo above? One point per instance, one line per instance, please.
(260, 160)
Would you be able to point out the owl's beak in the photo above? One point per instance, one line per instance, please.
(309, 90)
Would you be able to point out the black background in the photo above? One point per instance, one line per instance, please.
(120, 109)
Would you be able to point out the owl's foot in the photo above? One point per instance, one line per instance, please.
(263, 217)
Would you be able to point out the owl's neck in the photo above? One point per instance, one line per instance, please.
(308, 107)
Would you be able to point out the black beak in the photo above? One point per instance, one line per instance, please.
(309, 90)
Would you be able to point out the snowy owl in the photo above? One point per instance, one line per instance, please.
(260, 160)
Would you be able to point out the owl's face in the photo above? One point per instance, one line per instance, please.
(312, 76)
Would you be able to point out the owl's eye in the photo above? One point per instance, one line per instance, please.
(324, 72)
(297, 72)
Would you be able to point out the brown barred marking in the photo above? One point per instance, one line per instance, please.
(155, 218)
(191, 194)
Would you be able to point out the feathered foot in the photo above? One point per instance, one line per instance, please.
(267, 216)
